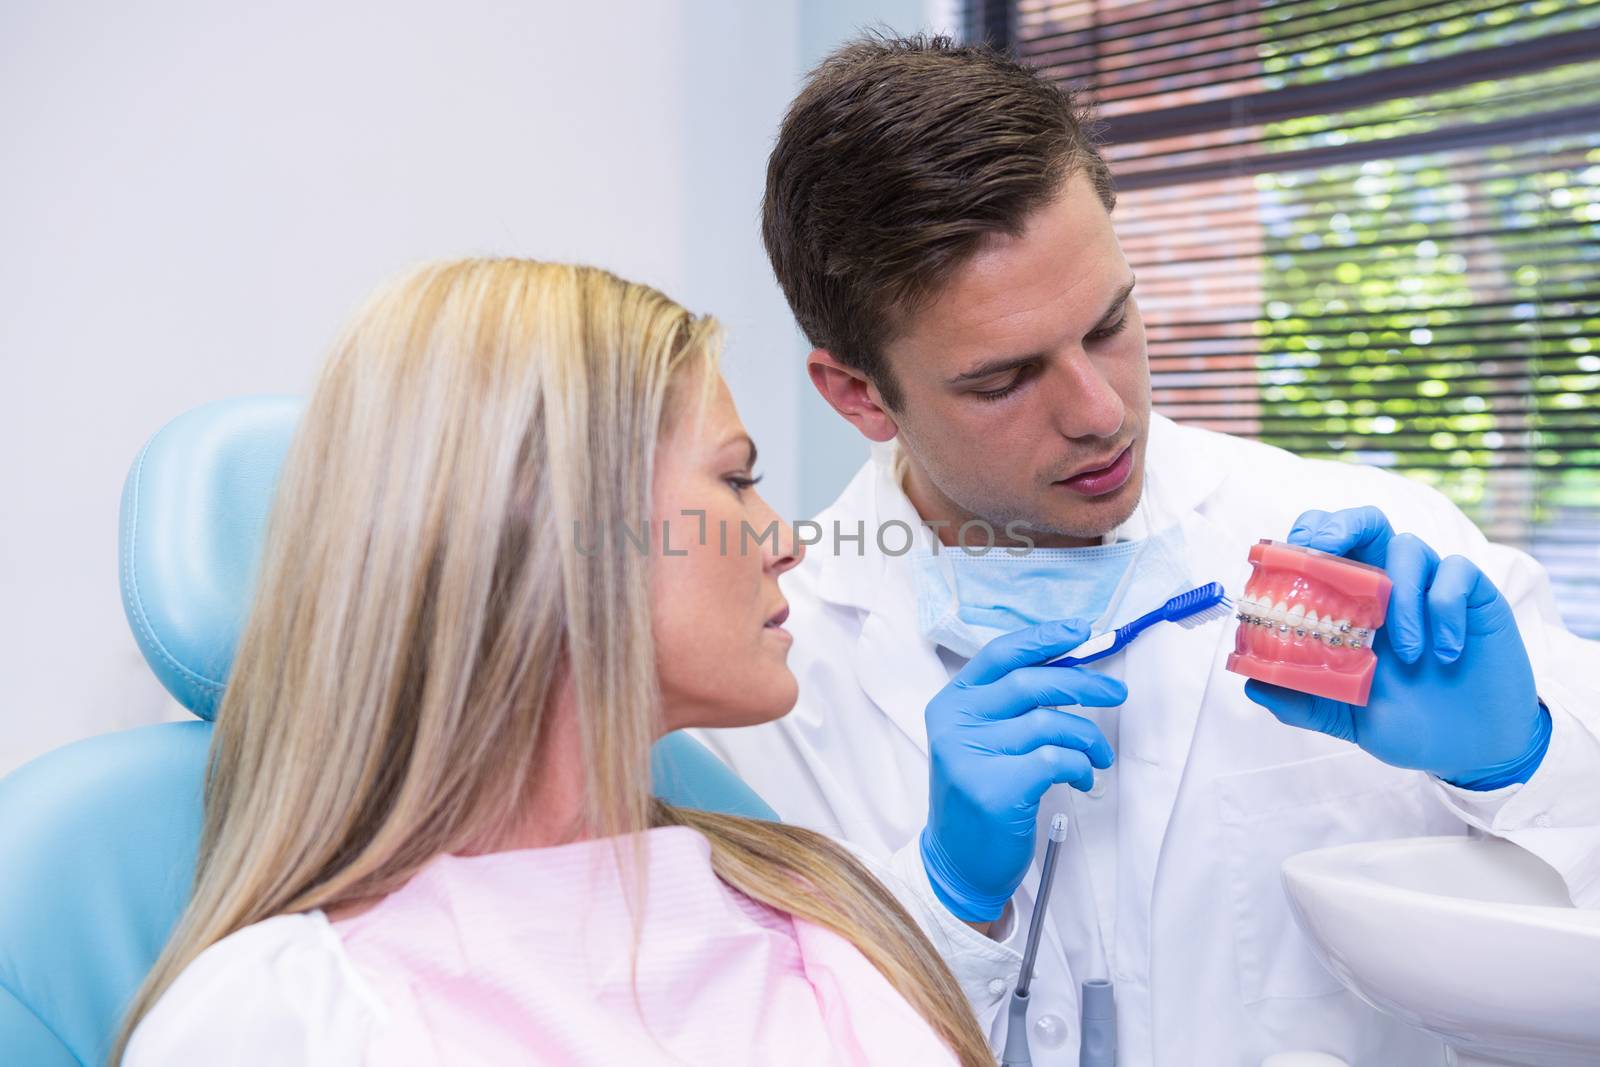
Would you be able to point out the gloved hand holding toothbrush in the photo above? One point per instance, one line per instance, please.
(1453, 692)
(995, 745)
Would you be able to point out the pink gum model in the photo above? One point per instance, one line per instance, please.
(1307, 621)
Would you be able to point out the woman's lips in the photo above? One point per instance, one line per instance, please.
(1106, 479)
(774, 625)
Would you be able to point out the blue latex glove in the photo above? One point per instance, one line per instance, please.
(995, 744)
(1453, 692)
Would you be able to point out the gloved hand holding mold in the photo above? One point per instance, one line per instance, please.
(1371, 638)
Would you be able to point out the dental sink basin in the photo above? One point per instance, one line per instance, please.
(1471, 939)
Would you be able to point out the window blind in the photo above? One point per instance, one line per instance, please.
(1366, 233)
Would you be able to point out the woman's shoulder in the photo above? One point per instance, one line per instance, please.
(282, 990)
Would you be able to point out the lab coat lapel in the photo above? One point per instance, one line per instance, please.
(898, 670)
(1170, 672)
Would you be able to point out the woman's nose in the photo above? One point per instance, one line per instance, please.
(788, 550)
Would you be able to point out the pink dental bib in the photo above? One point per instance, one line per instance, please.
(524, 957)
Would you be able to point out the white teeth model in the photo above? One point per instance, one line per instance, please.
(1297, 616)
(1296, 619)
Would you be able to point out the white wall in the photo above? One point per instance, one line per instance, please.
(832, 448)
(194, 195)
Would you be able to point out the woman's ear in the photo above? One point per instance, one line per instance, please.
(850, 393)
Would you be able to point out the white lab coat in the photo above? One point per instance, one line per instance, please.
(1209, 794)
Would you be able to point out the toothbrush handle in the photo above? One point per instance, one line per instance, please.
(1097, 647)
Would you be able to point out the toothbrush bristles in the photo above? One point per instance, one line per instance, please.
(1219, 610)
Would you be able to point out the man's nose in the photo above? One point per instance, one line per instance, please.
(1086, 403)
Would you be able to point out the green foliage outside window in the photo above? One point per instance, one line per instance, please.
(1439, 313)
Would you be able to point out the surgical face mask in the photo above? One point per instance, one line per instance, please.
(965, 601)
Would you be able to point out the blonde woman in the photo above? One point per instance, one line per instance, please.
(428, 835)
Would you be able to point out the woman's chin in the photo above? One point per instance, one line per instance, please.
(769, 698)
(775, 700)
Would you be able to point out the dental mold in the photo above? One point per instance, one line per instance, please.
(1307, 621)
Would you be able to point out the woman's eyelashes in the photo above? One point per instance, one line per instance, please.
(741, 482)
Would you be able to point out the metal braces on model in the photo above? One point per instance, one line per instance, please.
(1342, 633)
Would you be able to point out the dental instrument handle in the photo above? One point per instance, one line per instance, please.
(1047, 874)
(1097, 1029)
(1017, 1053)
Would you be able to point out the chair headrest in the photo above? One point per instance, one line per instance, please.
(194, 510)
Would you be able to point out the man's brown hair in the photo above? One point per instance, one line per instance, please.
(896, 159)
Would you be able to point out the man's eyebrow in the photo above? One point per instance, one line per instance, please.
(1118, 300)
(993, 366)
(1000, 366)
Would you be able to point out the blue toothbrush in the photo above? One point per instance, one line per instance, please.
(1194, 608)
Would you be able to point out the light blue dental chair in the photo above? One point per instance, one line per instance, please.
(98, 839)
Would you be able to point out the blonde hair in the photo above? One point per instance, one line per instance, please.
(420, 587)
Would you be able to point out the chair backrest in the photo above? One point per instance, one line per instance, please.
(98, 839)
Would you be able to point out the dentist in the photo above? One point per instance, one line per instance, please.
(941, 226)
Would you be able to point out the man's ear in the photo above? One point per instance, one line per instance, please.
(851, 394)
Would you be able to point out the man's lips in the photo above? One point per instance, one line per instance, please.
(1098, 481)
(780, 617)
(1097, 467)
